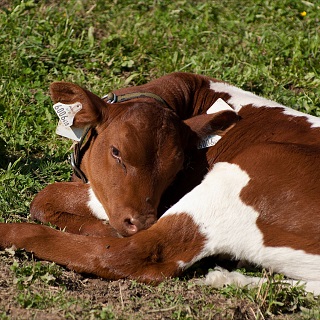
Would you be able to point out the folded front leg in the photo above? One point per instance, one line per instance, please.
(66, 205)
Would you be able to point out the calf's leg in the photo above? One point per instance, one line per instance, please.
(149, 256)
(65, 205)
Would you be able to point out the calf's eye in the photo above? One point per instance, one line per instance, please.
(115, 153)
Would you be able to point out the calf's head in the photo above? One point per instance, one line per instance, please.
(135, 150)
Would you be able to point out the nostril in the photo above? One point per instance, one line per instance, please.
(130, 226)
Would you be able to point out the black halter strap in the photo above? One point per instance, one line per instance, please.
(75, 157)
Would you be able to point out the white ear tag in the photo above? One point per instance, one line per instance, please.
(66, 114)
(209, 141)
(219, 105)
(72, 133)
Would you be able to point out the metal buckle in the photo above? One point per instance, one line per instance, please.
(111, 97)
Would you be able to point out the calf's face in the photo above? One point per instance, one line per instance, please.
(135, 151)
(131, 162)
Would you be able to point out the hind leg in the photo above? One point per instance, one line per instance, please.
(221, 277)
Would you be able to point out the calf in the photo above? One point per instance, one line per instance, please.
(135, 146)
(259, 200)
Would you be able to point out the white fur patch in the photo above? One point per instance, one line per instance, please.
(229, 225)
(240, 98)
(96, 206)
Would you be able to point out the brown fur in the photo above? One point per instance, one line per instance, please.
(150, 256)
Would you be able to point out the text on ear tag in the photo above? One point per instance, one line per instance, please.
(66, 114)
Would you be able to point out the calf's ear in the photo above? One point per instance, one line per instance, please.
(93, 107)
(208, 124)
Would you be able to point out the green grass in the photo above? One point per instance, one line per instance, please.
(274, 296)
(267, 47)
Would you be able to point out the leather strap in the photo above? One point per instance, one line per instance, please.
(113, 98)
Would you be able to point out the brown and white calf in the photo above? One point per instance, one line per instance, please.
(258, 202)
(133, 151)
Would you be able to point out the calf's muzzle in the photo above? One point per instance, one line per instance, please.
(132, 223)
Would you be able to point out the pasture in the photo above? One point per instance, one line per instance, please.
(268, 47)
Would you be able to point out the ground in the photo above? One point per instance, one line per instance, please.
(38, 295)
